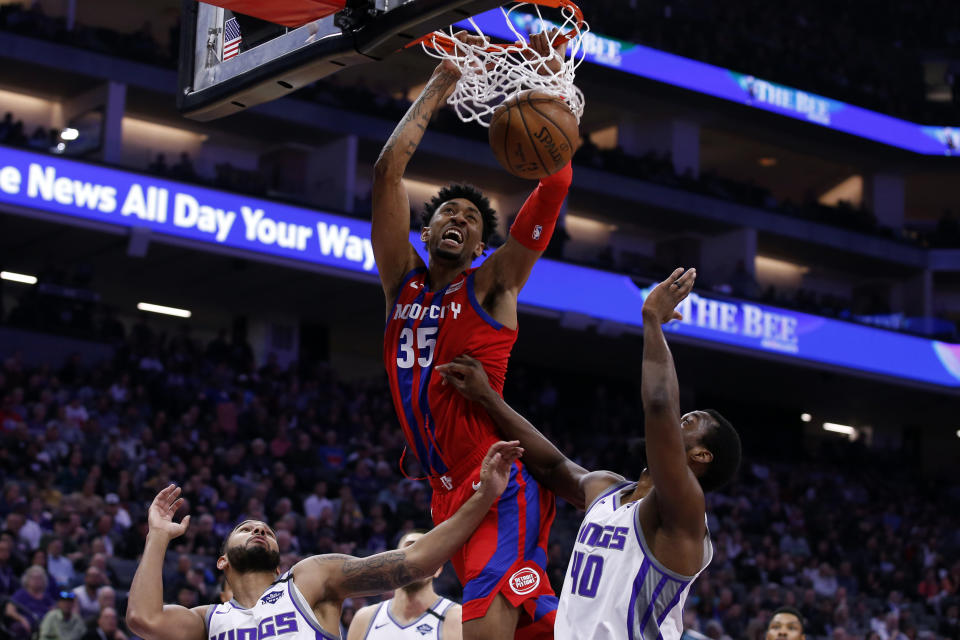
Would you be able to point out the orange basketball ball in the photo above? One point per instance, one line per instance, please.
(533, 134)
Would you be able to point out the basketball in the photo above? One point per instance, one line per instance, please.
(533, 134)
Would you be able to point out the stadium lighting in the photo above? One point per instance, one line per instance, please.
(69, 134)
(958, 433)
(159, 308)
(839, 428)
(806, 417)
(18, 277)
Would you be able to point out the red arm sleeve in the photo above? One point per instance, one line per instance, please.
(538, 215)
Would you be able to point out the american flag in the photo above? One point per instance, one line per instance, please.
(231, 38)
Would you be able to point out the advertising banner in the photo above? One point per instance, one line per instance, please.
(738, 87)
(75, 189)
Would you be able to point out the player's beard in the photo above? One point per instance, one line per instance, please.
(417, 586)
(451, 256)
(253, 558)
(448, 256)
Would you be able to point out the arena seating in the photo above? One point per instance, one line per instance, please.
(857, 544)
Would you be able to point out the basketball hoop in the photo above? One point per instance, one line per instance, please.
(492, 73)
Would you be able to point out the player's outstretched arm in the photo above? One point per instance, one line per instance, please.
(332, 578)
(510, 266)
(147, 616)
(394, 254)
(546, 462)
(679, 496)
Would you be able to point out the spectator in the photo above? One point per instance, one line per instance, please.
(107, 627)
(331, 454)
(825, 581)
(317, 501)
(106, 598)
(159, 165)
(59, 567)
(86, 593)
(32, 600)
(115, 510)
(63, 622)
(8, 579)
(222, 524)
(950, 623)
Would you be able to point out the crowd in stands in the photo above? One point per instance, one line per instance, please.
(859, 543)
(848, 52)
(30, 19)
(226, 176)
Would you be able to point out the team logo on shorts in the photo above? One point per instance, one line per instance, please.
(537, 230)
(524, 581)
(272, 597)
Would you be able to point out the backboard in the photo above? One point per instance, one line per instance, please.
(231, 61)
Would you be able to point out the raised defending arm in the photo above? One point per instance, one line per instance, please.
(394, 254)
(679, 496)
(332, 578)
(147, 616)
(546, 462)
(548, 465)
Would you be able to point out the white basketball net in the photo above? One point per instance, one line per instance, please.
(492, 73)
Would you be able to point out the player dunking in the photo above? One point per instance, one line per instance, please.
(641, 544)
(438, 311)
(303, 603)
(415, 612)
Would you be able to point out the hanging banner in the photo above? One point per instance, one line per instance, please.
(79, 190)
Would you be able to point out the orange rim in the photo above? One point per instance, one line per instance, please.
(447, 44)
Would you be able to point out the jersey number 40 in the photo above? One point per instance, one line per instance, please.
(585, 574)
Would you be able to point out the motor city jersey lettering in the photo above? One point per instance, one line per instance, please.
(426, 327)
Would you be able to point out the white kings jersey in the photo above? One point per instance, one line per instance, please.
(281, 613)
(426, 627)
(614, 588)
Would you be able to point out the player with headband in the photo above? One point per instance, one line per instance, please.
(438, 310)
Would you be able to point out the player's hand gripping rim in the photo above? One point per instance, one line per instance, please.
(660, 305)
(549, 49)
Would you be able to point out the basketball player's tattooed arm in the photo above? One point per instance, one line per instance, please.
(392, 250)
(679, 498)
(331, 578)
(147, 616)
(545, 461)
